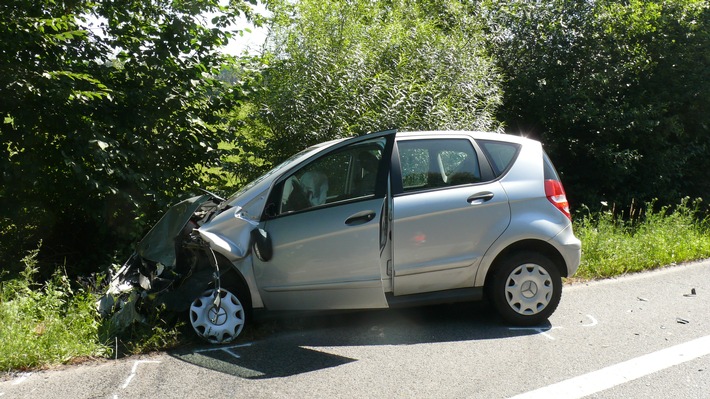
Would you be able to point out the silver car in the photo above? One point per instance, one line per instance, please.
(376, 221)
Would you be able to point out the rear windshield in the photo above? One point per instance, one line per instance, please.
(500, 154)
(550, 172)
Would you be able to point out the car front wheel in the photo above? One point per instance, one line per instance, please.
(217, 323)
(526, 289)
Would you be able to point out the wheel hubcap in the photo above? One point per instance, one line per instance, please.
(217, 325)
(217, 316)
(529, 289)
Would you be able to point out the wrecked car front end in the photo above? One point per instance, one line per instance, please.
(198, 258)
(175, 267)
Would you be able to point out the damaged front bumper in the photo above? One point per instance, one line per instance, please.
(172, 265)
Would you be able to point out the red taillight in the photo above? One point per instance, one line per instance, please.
(556, 194)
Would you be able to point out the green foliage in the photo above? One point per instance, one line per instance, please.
(45, 324)
(617, 90)
(56, 322)
(615, 244)
(159, 330)
(246, 153)
(109, 110)
(336, 69)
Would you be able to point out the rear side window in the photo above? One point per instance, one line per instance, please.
(434, 163)
(500, 154)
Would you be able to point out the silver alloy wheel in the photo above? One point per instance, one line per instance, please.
(217, 325)
(529, 289)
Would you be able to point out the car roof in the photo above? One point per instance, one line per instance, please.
(474, 134)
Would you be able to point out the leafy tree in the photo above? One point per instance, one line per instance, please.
(108, 109)
(335, 69)
(617, 90)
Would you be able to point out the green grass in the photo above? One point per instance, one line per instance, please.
(614, 245)
(55, 322)
(46, 324)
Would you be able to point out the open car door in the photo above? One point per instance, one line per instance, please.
(326, 220)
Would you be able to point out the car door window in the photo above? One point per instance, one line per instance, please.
(434, 163)
(343, 175)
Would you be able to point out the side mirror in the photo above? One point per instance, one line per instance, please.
(261, 245)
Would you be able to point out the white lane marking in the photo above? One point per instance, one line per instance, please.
(682, 268)
(21, 379)
(539, 330)
(223, 348)
(135, 369)
(593, 323)
(609, 377)
(226, 349)
(17, 381)
(236, 355)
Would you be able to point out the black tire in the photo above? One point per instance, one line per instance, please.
(525, 289)
(234, 282)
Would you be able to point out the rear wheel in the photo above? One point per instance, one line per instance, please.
(526, 288)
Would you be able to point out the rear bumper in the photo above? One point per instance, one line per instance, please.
(570, 248)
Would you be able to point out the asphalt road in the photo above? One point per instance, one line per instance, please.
(640, 336)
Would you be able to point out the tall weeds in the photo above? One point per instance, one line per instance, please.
(615, 244)
(45, 324)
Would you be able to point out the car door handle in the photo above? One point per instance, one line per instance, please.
(480, 198)
(360, 218)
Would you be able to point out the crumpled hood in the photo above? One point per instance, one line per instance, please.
(159, 244)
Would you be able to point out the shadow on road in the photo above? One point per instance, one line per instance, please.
(286, 343)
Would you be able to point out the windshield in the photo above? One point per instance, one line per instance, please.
(278, 168)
